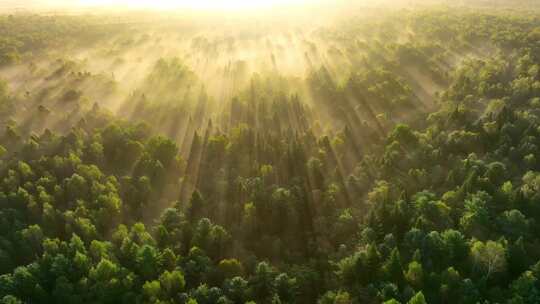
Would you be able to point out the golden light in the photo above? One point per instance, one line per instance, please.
(196, 4)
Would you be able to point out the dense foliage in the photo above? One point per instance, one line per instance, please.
(377, 190)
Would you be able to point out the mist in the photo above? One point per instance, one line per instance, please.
(271, 152)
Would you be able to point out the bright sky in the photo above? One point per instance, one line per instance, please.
(195, 4)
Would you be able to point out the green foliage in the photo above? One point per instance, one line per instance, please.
(354, 184)
(418, 299)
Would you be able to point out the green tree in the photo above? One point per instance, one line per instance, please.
(417, 299)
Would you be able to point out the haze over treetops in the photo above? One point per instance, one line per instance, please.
(205, 152)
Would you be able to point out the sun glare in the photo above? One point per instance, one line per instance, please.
(195, 4)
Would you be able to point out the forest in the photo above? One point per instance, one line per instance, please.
(374, 154)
